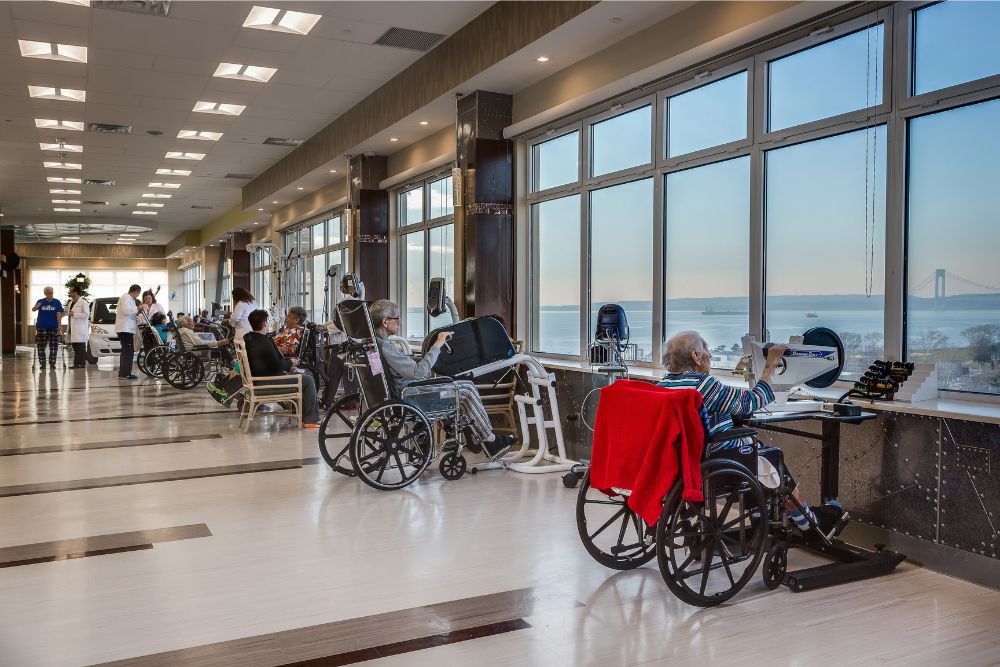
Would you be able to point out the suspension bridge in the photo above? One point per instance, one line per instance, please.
(939, 279)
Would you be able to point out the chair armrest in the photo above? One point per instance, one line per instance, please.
(277, 380)
(731, 434)
(438, 380)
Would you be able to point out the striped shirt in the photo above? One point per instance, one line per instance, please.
(721, 402)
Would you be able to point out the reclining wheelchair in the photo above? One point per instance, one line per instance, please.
(708, 551)
(393, 438)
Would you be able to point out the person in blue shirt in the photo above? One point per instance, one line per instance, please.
(159, 322)
(48, 327)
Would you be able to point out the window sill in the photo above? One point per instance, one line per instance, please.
(951, 408)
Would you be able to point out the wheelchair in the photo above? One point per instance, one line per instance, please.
(152, 350)
(707, 552)
(392, 439)
(185, 368)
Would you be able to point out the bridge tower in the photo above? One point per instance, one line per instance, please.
(939, 285)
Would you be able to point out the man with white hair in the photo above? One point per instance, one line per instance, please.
(689, 365)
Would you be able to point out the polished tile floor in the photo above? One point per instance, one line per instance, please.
(115, 545)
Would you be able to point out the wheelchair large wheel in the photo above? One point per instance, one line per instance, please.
(183, 370)
(335, 445)
(152, 360)
(391, 445)
(708, 551)
(611, 532)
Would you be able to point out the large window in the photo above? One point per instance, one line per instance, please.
(321, 245)
(104, 283)
(955, 42)
(260, 276)
(192, 289)
(710, 115)
(621, 142)
(425, 215)
(953, 276)
(556, 304)
(707, 217)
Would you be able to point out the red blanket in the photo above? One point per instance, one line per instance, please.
(643, 437)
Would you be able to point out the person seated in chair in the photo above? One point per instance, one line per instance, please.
(265, 359)
(402, 370)
(159, 323)
(689, 365)
(289, 339)
(185, 329)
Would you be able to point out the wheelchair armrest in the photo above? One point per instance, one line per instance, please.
(731, 434)
(432, 381)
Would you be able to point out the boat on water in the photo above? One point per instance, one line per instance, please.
(811, 315)
(711, 311)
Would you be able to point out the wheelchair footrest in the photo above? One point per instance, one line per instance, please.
(863, 565)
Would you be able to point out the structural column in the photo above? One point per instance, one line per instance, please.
(369, 226)
(8, 308)
(240, 276)
(487, 163)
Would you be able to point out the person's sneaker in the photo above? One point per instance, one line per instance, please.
(128, 377)
(310, 425)
(499, 446)
(828, 515)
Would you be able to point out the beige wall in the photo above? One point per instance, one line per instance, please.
(314, 203)
(415, 157)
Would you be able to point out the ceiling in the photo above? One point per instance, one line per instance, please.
(147, 72)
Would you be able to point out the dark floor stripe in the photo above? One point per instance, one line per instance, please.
(80, 446)
(78, 554)
(151, 477)
(154, 415)
(354, 657)
(96, 545)
(370, 637)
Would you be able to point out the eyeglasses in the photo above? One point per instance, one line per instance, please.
(391, 318)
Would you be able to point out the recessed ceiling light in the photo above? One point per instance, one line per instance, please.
(59, 124)
(393, 139)
(333, 171)
(542, 59)
(274, 202)
(184, 155)
(144, 212)
(219, 107)
(63, 179)
(199, 134)
(67, 148)
(168, 186)
(124, 243)
(244, 72)
(125, 236)
(300, 188)
(66, 201)
(66, 210)
(61, 94)
(62, 165)
(423, 122)
(52, 51)
(156, 195)
(173, 172)
(62, 191)
(70, 238)
(150, 204)
(260, 209)
(256, 223)
(280, 20)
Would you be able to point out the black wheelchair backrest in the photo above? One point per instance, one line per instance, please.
(477, 341)
(357, 324)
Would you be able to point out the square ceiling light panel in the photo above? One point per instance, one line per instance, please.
(280, 20)
(144, 212)
(244, 72)
(168, 186)
(63, 179)
(156, 195)
(173, 172)
(62, 165)
(218, 107)
(150, 204)
(184, 155)
(60, 209)
(66, 201)
(48, 124)
(53, 51)
(59, 94)
(63, 191)
(62, 148)
(199, 134)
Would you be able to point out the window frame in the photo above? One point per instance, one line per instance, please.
(587, 149)
(295, 283)
(550, 135)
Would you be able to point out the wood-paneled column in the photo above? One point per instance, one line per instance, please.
(369, 227)
(487, 163)
(240, 276)
(8, 308)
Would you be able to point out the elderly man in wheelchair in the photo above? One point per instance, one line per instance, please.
(403, 371)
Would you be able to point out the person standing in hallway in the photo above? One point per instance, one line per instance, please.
(243, 305)
(79, 326)
(48, 327)
(125, 327)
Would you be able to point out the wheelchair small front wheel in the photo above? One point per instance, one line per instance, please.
(452, 466)
(570, 480)
(775, 566)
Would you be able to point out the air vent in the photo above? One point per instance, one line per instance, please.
(279, 141)
(97, 181)
(151, 7)
(96, 203)
(202, 208)
(247, 177)
(404, 38)
(109, 128)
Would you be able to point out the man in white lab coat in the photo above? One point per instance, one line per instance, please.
(79, 326)
(125, 327)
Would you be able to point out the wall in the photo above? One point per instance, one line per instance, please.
(412, 160)
(314, 203)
